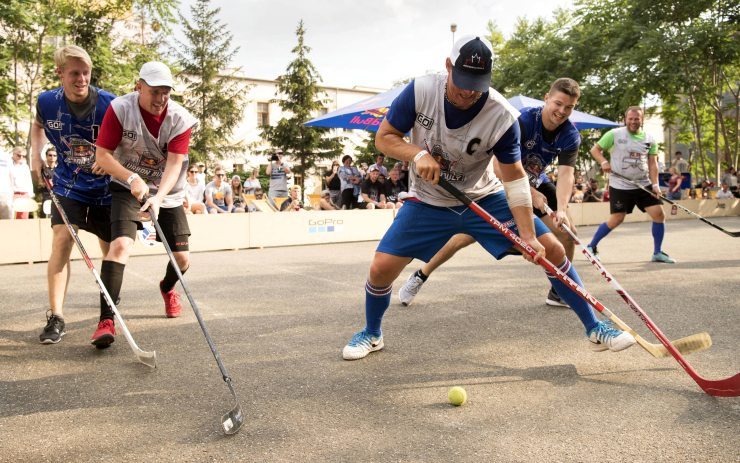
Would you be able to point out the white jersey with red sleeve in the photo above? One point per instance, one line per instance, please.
(140, 152)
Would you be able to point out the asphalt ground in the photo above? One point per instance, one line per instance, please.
(281, 316)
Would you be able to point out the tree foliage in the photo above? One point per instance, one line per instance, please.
(301, 98)
(212, 94)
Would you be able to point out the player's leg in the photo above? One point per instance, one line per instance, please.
(418, 231)
(174, 224)
(550, 192)
(57, 275)
(412, 286)
(600, 333)
(653, 206)
(621, 203)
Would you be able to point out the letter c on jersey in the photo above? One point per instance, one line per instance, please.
(472, 145)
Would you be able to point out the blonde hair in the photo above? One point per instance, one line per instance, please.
(64, 54)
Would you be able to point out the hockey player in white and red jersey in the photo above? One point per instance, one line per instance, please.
(143, 144)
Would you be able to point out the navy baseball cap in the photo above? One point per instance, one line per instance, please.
(472, 58)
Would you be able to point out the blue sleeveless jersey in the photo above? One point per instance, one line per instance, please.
(75, 144)
(537, 154)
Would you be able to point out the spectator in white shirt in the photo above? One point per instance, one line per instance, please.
(194, 193)
(724, 192)
(6, 186)
(219, 197)
(22, 183)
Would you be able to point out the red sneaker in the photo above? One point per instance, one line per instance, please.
(172, 306)
(104, 335)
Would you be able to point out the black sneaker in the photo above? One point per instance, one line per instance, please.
(53, 331)
(554, 300)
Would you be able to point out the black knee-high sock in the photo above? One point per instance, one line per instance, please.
(111, 273)
(170, 278)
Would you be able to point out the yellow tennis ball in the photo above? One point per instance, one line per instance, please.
(457, 396)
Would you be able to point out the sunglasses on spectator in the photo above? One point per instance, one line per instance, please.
(192, 171)
(220, 175)
(51, 155)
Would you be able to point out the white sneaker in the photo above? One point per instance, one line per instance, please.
(360, 345)
(605, 336)
(410, 289)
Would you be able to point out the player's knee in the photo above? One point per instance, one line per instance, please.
(554, 250)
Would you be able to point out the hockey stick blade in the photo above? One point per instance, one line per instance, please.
(232, 421)
(670, 201)
(728, 387)
(687, 345)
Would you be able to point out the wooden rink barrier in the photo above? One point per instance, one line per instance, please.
(27, 241)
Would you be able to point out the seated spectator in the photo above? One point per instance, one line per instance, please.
(259, 194)
(326, 203)
(393, 187)
(50, 162)
(237, 192)
(219, 197)
(373, 191)
(252, 183)
(194, 193)
(730, 178)
(577, 196)
(293, 203)
(674, 184)
(334, 183)
(724, 192)
(592, 193)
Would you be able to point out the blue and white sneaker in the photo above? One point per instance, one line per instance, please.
(605, 336)
(594, 252)
(361, 344)
(663, 257)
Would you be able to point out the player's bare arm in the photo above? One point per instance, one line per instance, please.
(598, 154)
(390, 141)
(169, 178)
(522, 214)
(38, 140)
(564, 189)
(653, 174)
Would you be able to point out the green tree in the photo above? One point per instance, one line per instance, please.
(301, 99)
(212, 93)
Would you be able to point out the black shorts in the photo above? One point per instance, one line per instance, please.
(550, 191)
(624, 201)
(125, 219)
(91, 218)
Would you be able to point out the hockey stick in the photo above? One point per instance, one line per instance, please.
(670, 201)
(728, 387)
(147, 358)
(232, 420)
(694, 343)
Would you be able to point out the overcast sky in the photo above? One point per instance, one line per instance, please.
(363, 43)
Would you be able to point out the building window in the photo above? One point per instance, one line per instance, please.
(263, 114)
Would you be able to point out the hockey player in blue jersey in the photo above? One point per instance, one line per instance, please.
(456, 124)
(547, 135)
(69, 118)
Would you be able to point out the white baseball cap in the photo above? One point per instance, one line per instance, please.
(157, 74)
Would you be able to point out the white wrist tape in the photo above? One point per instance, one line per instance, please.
(517, 193)
(131, 178)
(420, 154)
(604, 162)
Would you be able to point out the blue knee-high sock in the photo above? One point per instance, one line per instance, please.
(377, 301)
(658, 233)
(601, 232)
(579, 306)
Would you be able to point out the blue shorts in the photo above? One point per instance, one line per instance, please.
(420, 230)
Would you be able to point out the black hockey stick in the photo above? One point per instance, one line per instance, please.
(147, 358)
(727, 387)
(231, 421)
(670, 201)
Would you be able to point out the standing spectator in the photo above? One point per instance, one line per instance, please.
(633, 155)
(219, 197)
(50, 162)
(194, 193)
(201, 175)
(730, 178)
(240, 204)
(252, 183)
(674, 184)
(326, 203)
(592, 193)
(293, 203)
(334, 183)
(680, 163)
(724, 192)
(22, 183)
(393, 187)
(6, 186)
(156, 145)
(379, 160)
(373, 191)
(363, 170)
(350, 180)
(278, 173)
